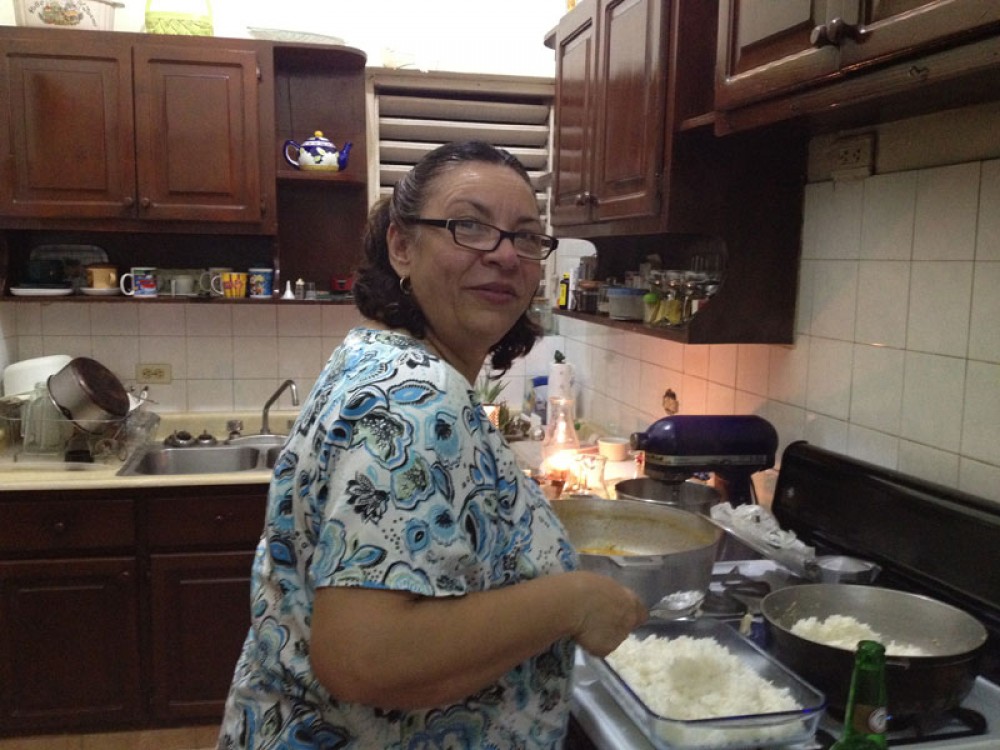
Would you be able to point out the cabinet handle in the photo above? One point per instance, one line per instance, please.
(584, 199)
(128, 202)
(145, 202)
(835, 32)
(59, 527)
(221, 518)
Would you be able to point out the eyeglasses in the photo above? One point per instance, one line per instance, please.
(477, 235)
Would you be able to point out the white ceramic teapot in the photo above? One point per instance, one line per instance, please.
(317, 153)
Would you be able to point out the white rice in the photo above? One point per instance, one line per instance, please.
(843, 631)
(688, 678)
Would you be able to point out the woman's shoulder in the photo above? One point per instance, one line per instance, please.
(401, 358)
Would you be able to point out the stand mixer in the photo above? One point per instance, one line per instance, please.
(733, 447)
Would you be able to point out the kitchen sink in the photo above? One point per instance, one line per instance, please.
(155, 460)
(262, 442)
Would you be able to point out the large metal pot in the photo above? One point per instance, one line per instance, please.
(930, 684)
(658, 551)
(697, 498)
(89, 394)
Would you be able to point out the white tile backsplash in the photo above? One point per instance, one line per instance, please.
(984, 327)
(887, 216)
(946, 213)
(988, 230)
(883, 300)
(939, 309)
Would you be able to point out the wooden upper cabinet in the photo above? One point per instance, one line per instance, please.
(609, 114)
(115, 126)
(71, 138)
(576, 99)
(197, 133)
(769, 48)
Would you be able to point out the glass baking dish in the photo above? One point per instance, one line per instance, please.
(722, 733)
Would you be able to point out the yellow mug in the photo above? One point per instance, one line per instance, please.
(230, 284)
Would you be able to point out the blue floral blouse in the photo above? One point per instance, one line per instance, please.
(393, 478)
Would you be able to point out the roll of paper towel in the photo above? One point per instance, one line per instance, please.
(561, 380)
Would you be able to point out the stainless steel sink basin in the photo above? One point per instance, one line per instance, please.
(216, 459)
(271, 456)
(262, 442)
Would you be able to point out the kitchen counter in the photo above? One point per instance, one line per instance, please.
(39, 473)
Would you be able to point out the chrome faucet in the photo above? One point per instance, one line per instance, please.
(265, 426)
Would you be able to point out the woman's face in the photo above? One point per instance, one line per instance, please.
(470, 298)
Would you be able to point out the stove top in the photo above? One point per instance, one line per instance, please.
(926, 538)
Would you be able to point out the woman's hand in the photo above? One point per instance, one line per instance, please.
(608, 613)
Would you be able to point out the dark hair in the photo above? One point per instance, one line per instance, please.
(376, 287)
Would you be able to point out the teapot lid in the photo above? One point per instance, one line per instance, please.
(318, 140)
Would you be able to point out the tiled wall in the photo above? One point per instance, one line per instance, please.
(897, 352)
(222, 356)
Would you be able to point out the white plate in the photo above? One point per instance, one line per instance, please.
(24, 291)
(93, 292)
(293, 37)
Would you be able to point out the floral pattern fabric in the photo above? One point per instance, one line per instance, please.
(393, 478)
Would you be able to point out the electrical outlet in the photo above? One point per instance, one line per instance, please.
(852, 156)
(153, 374)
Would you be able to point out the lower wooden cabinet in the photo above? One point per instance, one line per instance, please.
(123, 609)
(200, 616)
(69, 644)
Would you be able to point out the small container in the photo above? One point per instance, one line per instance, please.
(585, 301)
(776, 729)
(625, 303)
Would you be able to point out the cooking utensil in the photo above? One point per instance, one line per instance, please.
(916, 685)
(22, 377)
(89, 394)
(697, 498)
(660, 552)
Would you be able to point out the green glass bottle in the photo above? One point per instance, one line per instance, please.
(866, 716)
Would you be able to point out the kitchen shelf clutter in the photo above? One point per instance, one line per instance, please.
(639, 171)
(178, 144)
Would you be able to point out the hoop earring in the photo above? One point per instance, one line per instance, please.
(405, 285)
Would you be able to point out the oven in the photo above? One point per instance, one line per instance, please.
(926, 539)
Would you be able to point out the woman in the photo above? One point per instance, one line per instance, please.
(412, 588)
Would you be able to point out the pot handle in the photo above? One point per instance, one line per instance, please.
(637, 561)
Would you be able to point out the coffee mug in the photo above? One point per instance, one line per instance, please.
(182, 286)
(206, 280)
(101, 276)
(261, 282)
(231, 284)
(140, 283)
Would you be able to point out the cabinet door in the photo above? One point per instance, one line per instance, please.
(899, 27)
(201, 613)
(66, 128)
(765, 47)
(69, 644)
(197, 133)
(632, 91)
(576, 100)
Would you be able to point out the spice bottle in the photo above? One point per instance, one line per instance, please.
(866, 716)
(564, 291)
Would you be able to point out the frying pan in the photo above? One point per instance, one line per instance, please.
(952, 639)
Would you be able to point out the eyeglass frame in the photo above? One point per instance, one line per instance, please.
(449, 224)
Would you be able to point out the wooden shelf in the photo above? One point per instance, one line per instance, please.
(674, 333)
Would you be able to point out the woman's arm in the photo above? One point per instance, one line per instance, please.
(392, 649)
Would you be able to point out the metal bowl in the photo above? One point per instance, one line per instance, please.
(691, 496)
(660, 552)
